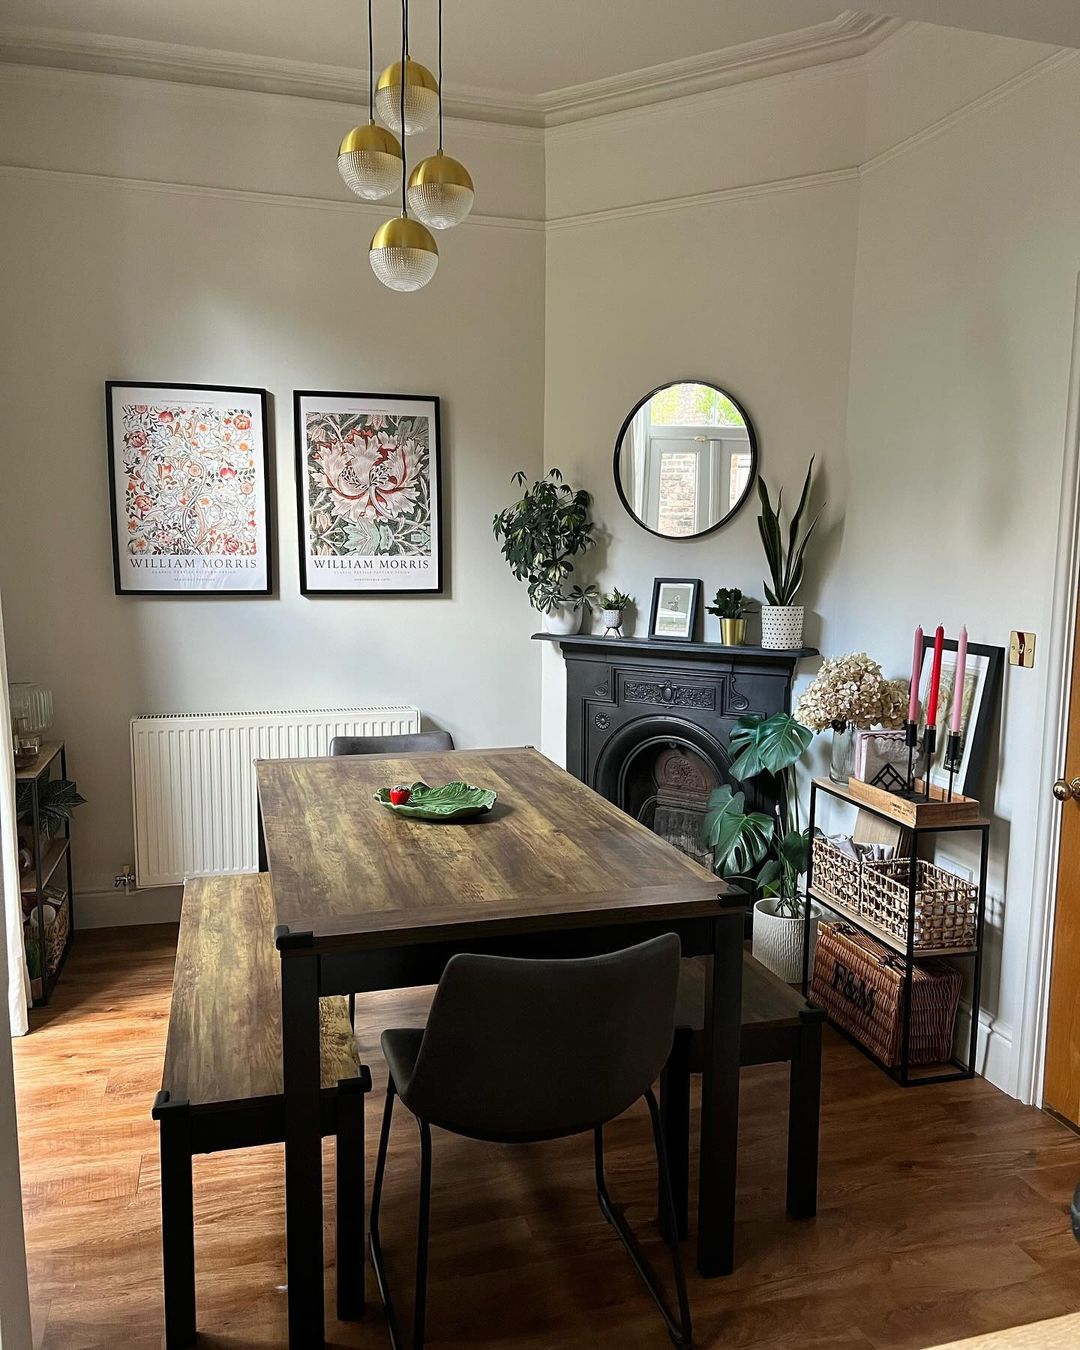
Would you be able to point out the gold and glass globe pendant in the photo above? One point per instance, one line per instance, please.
(372, 161)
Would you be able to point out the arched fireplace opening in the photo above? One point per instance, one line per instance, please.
(662, 770)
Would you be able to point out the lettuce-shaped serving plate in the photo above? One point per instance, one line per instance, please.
(452, 801)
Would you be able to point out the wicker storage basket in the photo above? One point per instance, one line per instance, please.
(836, 876)
(946, 906)
(859, 982)
(56, 936)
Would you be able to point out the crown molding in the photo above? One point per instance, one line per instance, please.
(850, 34)
(99, 53)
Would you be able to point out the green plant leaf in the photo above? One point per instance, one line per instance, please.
(739, 840)
(766, 745)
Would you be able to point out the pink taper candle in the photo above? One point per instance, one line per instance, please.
(958, 686)
(935, 678)
(916, 672)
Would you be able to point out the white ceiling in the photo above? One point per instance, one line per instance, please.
(522, 47)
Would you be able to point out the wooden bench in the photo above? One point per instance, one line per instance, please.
(778, 1025)
(221, 1087)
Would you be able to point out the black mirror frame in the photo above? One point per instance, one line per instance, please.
(751, 434)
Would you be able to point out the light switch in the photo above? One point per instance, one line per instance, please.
(1022, 650)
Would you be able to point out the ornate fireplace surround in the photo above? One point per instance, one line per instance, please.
(647, 721)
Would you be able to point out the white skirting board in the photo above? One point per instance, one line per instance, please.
(115, 909)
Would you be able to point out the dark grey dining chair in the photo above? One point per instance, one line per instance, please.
(411, 743)
(517, 1051)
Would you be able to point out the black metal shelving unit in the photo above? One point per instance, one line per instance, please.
(51, 858)
(904, 1073)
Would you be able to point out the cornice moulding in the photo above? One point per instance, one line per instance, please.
(850, 34)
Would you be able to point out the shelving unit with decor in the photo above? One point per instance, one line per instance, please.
(48, 878)
(912, 907)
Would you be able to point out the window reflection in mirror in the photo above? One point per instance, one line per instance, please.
(685, 459)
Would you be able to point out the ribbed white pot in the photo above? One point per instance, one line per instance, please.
(563, 620)
(781, 626)
(778, 940)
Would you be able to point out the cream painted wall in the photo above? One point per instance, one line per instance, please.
(969, 250)
(906, 313)
(107, 278)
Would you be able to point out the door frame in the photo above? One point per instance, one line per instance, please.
(1059, 649)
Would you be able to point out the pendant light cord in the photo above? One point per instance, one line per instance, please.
(370, 66)
(440, 77)
(404, 59)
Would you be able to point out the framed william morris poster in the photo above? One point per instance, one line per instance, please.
(188, 473)
(368, 493)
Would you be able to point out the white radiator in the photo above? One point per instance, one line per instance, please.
(193, 780)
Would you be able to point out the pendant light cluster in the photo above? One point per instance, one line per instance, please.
(372, 161)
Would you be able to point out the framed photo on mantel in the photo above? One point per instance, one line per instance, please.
(188, 473)
(369, 499)
(675, 604)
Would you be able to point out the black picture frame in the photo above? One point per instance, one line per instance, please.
(255, 393)
(694, 583)
(436, 478)
(979, 737)
(751, 436)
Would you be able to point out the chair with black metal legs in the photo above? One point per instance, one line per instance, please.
(517, 1051)
(409, 743)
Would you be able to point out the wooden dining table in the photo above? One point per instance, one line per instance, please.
(366, 899)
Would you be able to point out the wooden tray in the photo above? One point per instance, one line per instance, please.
(936, 811)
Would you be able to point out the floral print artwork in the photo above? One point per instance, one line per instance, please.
(369, 484)
(190, 478)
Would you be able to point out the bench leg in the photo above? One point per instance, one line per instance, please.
(675, 1125)
(177, 1222)
(350, 1197)
(804, 1118)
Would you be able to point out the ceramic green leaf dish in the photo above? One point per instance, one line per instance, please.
(452, 801)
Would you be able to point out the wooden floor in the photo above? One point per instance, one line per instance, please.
(943, 1210)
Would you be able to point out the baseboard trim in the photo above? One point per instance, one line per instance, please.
(116, 909)
(994, 1059)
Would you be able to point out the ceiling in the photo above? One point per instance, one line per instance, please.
(521, 47)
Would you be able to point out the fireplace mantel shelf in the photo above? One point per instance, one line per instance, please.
(695, 650)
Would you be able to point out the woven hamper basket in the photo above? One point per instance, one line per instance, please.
(859, 982)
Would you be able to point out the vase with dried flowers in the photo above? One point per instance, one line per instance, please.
(847, 693)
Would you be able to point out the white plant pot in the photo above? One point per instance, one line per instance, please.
(563, 620)
(781, 627)
(778, 940)
(612, 621)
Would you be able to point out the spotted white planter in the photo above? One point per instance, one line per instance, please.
(612, 621)
(778, 940)
(563, 620)
(781, 627)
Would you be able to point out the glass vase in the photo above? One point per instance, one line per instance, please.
(842, 763)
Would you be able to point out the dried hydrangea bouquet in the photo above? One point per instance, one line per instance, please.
(847, 693)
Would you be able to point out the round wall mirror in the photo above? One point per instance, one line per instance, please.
(685, 459)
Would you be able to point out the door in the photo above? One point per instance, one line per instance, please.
(1061, 1088)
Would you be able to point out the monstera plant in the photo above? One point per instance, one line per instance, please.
(764, 854)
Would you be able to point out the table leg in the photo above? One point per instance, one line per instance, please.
(303, 1143)
(720, 1099)
(177, 1221)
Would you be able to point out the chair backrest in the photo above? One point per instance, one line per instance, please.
(413, 743)
(541, 1048)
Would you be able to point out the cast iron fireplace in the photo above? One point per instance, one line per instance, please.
(647, 723)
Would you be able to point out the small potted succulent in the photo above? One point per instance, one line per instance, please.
(731, 607)
(540, 535)
(612, 605)
(782, 621)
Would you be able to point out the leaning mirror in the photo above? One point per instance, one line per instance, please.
(685, 459)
